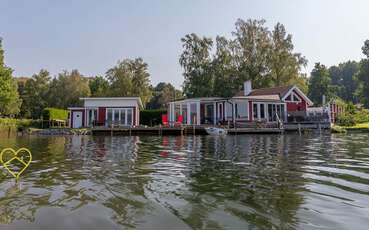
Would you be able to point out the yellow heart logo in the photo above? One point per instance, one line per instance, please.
(16, 162)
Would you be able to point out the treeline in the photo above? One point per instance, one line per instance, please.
(27, 97)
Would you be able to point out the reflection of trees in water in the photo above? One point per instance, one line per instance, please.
(70, 172)
(255, 178)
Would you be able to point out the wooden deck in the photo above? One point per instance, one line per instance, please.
(255, 131)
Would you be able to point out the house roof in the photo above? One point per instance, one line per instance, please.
(281, 91)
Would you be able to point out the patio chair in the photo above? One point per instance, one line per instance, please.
(164, 119)
(179, 120)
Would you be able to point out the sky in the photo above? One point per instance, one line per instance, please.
(92, 35)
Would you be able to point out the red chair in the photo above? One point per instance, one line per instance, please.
(164, 119)
(179, 120)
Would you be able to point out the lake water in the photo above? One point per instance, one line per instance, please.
(313, 181)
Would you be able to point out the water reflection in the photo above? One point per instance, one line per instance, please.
(198, 182)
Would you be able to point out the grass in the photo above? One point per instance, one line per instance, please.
(359, 127)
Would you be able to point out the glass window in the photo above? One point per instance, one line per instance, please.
(255, 111)
(110, 115)
(270, 112)
(116, 115)
(129, 116)
(288, 98)
(123, 116)
(295, 98)
(262, 111)
(241, 110)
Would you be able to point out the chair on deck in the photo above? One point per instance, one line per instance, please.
(164, 119)
(179, 120)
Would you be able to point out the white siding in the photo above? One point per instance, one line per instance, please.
(111, 103)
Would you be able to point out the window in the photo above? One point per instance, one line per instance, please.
(123, 116)
(116, 115)
(109, 116)
(262, 111)
(241, 109)
(129, 116)
(255, 111)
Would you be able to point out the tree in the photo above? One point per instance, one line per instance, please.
(9, 98)
(163, 93)
(35, 94)
(343, 77)
(363, 76)
(67, 88)
(195, 60)
(285, 65)
(319, 84)
(130, 78)
(99, 86)
(253, 52)
(224, 69)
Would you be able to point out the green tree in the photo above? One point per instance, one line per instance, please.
(196, 63)
(363, 76)
(343, 77)
(130, 78)
(162, 94)
(99, 86)
(35, 94)
(9, 98)
(320, 84)
(253, 53)
(285, 64)
(67, 88)
(224, 68)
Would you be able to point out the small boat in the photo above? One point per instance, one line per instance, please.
(216, 131)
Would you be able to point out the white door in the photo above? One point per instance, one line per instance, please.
(77, 120)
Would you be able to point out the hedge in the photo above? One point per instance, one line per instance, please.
(151, 117)
(54, 114)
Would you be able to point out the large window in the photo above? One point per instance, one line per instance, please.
(91, 116)
(275, 112)
(121, 116)
(241, 109)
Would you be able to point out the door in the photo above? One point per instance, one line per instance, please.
(77, 120)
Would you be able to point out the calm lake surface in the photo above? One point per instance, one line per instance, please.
(313, 181)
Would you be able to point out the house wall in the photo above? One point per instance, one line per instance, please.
(297, 106)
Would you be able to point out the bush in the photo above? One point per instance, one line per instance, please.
(346, 120)
(151, 117)
(361, 116)
(54, 114)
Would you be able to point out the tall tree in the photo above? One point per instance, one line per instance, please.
(195, 61)
(253, 53)
(130, 78)
(320, 84)
(35, 94)
(67, 88)
(224, 68)
(99, 86)
(363, 75)
(285, 64)
(9, 98)
(162, 94)
(343, 77)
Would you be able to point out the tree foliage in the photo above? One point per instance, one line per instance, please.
(130, 78)
(255, 53)
(99, 86)
(320, 84)
(162, 94)
(9, 98)
(67, 88)
(35, 94)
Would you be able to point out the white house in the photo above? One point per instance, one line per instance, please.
(104, 111)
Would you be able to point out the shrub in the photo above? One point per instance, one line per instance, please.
(346, 120)
(54, 114)
(362, 116)
(151, 117)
